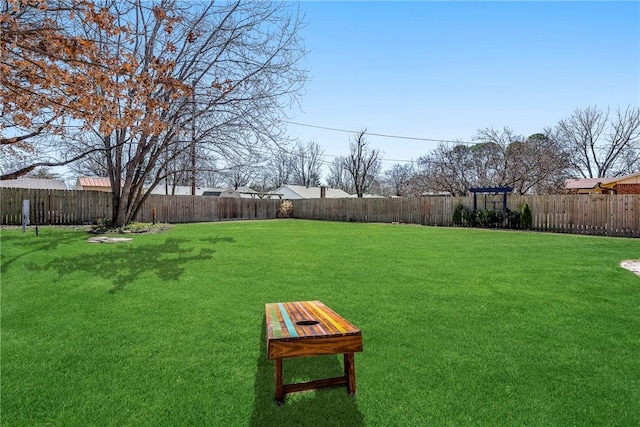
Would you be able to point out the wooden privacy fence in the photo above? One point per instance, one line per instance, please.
(610, 214)
(413, 210)
(72, 207)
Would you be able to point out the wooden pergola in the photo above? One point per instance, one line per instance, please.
(491, 190)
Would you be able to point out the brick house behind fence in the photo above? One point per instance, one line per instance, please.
(628, 184)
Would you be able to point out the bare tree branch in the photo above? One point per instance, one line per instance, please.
(362, 164)
(599, 146)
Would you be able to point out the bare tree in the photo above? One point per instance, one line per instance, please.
(398, 176)
(420, 182)
(307, 162)
(237, 68)
(196, 167)
(599, 145)
(362, 164)
(338, 176)
(240, 175)
(278, 169)
(44, 173)
(300, 165)
(529, 165)
(488, 164)
(90, 165)
(262, 181)
(211, 178)
(448, 170)
(537, 165)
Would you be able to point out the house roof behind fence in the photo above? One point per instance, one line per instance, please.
(593, 182)
(313, 192)
(34, 183)
(185, 190)
(94, 181)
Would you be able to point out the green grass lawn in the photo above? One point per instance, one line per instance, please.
(460, 326)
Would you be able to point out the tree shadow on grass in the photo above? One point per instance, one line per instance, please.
(32, 244)
(325, 407)
(124, 264)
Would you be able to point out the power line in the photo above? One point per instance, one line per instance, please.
(415, 138)
(329, 162)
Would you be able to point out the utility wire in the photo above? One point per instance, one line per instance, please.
(381, 134)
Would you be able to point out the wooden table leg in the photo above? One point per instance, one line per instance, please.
(279, 386)
(350, 372)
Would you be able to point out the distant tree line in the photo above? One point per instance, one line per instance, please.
(590, 143)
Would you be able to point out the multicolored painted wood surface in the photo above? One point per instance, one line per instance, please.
(310, 328)
(305, 319)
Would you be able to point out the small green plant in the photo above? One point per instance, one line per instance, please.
(513, 219)
(525, 217)
(286, 209)
(137, 227)
(465, 217)
(483, 217)
(103, 225)
(458, 215)
(470, 217)
(488, 218)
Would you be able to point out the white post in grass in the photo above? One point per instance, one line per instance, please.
(25, 215)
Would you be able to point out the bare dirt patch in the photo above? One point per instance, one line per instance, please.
(631, 265)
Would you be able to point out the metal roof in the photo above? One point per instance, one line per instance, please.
(583, 183)
(93, 181)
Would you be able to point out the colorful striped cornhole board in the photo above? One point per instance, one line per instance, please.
(310, 328)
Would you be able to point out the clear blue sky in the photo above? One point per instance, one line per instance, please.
(443, 70)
